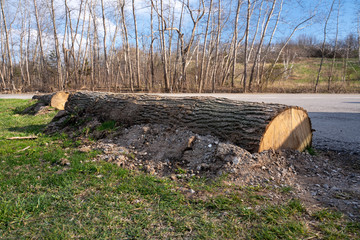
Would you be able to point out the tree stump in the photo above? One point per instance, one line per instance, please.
(253, 126)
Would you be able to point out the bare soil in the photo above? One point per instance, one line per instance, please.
(327, 178)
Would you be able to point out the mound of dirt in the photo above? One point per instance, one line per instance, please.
(328, 178)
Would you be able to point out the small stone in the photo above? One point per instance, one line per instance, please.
(263, 168)
(191, 191)
(236, 160)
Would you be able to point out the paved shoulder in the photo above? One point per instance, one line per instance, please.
(16, 96)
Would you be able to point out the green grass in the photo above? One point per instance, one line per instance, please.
(107, 126)
(42, 198)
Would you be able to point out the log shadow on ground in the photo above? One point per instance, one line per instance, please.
(30, 129)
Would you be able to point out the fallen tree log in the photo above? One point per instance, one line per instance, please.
(252, 126)
(44, 98)
(56, 100)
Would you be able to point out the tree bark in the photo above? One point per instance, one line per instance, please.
(7, 42)
(323, 48)
(235, 43)
(253, 126)
(246, 45)
(57, 51)
(137, 56)
(335, 49)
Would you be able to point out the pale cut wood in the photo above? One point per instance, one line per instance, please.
(59, 99)
(291, 129)
(252, 126)
(22, 138)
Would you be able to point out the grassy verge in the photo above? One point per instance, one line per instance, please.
(49, 189)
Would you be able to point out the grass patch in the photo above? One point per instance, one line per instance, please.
(107, 126)
(42, 198)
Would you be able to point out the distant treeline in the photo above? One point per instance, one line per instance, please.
(160, 45)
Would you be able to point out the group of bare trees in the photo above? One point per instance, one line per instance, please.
(148, 45)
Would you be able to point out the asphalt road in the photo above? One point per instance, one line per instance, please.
(335, 117)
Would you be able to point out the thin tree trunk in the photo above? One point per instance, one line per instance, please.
(42, 58)
(127, 46)
(27, 55)
(246, 46)
(7, 43)
(162, 27)
(263, 60)
(201, 82)
(137, 57)
(345, 64)
(105, 47)
(323, 47)
(335, 48)
(257, 54)
(152, 70)
(176, 82)
(297, 27)
(235, 42)
(218, 36)
(64, 49)
(57, 51)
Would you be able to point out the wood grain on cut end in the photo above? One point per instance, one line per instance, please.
(291, 129)
(59, 99)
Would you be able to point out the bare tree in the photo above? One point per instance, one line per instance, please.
(246, 44)
(323, 47)
(7, 43)
(257, 54)
(61, 84)
(296, 28)
(104, 46)
(235, 41)
(335, 48)
(127, 46)
(201, 82)
(137, 57)
(152, 71)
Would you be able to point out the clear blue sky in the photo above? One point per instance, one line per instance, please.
(347, 19)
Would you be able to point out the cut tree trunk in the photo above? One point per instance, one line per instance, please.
(59, 99)
(253, 126)
(56, 100)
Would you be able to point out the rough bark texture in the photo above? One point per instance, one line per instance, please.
(243, 123)
(46, 99)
